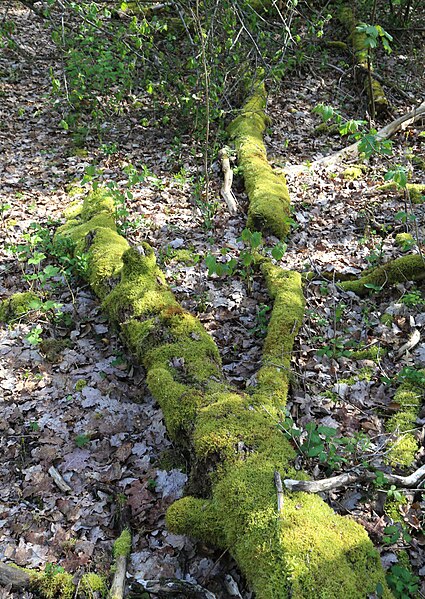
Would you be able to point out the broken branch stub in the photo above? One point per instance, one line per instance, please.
(232, 437)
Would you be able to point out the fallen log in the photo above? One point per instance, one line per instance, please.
(230, 437)
(269, 202)
(351, 152)
(406, 268)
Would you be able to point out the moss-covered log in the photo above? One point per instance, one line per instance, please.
(269, 202)
(378, 102)
(235, 445)
(404, 448)
(407, 268)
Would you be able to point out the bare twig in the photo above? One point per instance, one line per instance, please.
(335, 482)
(279, 488)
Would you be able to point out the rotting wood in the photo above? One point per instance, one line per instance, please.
(348, 478)
(406, 268)
(122, 548)
(351, 152)
(213, 420)
(57, 478)
(226, 190)
(16, 578)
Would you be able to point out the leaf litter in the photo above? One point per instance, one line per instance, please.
(86, 410)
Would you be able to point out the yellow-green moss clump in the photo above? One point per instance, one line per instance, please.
(407, 268)
(122, 545)
(352, 173)
(305, 552)
(404, 448)
(416, 191)
(16, 306)
(269, 203)
(403, 239)
(54, 585)
(375, 92)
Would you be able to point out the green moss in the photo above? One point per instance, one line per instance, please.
(364, 374)
(186, 257)
(79, 385)
(285, 289)
(416, 191)
(402, 239)
(407, 268)
(392, 508)
(374, 352)
(269, 202)
(93, 586)
(404, 448)
(95, 234)
(387, 319)
(282, 555)
(54, 586)
(16, 306)
(122, 545)
(352, 173)
(234, 442)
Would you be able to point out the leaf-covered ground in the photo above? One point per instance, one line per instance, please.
(70, 395)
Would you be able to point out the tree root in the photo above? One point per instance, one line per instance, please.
(269, 202)
(406, 268)
(306, 549)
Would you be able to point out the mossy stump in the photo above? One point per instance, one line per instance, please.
(233, 439)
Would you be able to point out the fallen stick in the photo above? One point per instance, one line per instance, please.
(335, 482)
(171, 586)
(279, 489)
(351, 152)
(57, 478)
(122, 548)
(226, 190)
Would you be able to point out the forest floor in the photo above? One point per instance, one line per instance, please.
(70, 395)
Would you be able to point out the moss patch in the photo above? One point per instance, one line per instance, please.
(122, 545)
(16, 306)
(416, 191)
(352, 173)
(404, 448)
(269, 202)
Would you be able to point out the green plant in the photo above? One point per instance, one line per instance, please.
(413, 298)
(52, 570)
(323, 443)
(261, 320)
(34, 336)
(82, 440)
(403, 583)
(252, 248)
(411, 375)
